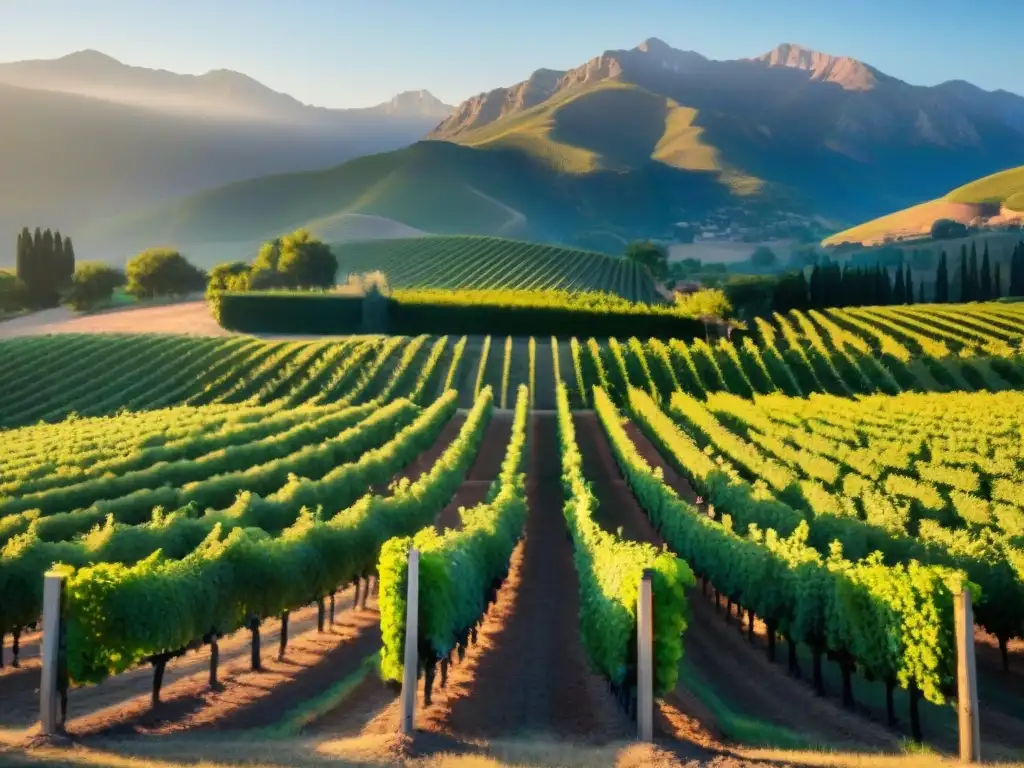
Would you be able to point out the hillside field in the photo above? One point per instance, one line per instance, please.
(271, 489)
(999, 197)
(474, 263)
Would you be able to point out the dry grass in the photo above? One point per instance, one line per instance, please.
(380, 750)
(913, 221)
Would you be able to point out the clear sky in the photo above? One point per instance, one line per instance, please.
(341, 53)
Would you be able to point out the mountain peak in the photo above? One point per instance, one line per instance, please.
(851, 74)
(90, 57)
(654, 45)
(418, 103)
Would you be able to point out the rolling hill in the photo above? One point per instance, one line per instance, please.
(631, 142)
(85, 138)
(483, 263)
(995, 198)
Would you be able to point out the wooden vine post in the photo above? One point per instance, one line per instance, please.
(411, 662)
(53, 593)
(967, 680)
(645, 659)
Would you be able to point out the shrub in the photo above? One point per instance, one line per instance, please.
(710, 302)
(230, 276)
(92, 284)
(13, 293)
(948, 229)
(163, 272)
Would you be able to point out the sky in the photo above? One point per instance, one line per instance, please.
(351, 53)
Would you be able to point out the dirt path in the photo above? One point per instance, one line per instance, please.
(735, 671)
(544, 378)
(482, 473)
(96, 707)
(527, 672)
(531, 673)
(191, 317)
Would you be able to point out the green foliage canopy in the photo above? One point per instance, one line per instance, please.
(163, 272)
(94, 283)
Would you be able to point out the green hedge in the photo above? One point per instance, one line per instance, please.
(284, 312)
(313, 313)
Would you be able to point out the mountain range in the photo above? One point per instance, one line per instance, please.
(624, 145)
(85, 137)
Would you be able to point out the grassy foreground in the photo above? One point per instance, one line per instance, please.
(393, 749)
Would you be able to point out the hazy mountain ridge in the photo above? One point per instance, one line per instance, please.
(218, 93)
(85, 137)
(626, 145)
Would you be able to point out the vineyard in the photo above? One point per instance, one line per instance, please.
(479, 263)
(233, 520)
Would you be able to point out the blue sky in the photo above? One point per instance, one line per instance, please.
(342, 53)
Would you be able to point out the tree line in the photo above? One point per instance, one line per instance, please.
(830, 285)
(47, 275)
(44, 265)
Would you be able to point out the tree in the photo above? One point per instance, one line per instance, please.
(884, 286)
(985, 278)
(36, 270)
(941, 281)
(13, 295)
(750, 295)
(707, 303)
(307, 262)
(69, 258)
(60, 274)
(997, 282)
(23, 254)
(764, 258)
(920, 292)
(791, 292)
(230, 276)
(972, 275)
(1017, 271)
(650, 255)
(163, 272)
(92, 284)
(965, 283)
(948, 229)
(899, 291)
(909, 283)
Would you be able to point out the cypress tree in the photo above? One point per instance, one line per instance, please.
(972, 275)
(985, 278)
(69, 260)
(920, 292)
(19, 257)
(909, 283)
(1017, 270)
(941, 282)
(1014, 270)
(817, 298)
(899, 290)
(965, 283)
(886, 286)
(58, 260)
(802, 292)
(997, 282)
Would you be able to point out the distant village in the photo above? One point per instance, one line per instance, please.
(737, 224)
